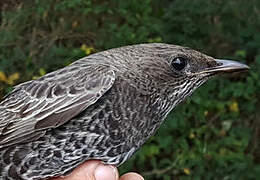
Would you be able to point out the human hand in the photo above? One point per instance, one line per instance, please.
(96, 170)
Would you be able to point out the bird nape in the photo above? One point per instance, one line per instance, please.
(103, 106)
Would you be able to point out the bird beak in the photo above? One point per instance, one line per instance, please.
(227, 66)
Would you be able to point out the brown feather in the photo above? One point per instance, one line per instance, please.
(44, 104)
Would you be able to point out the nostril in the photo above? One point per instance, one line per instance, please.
(219, 63)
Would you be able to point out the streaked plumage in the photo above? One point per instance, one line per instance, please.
(104, 106)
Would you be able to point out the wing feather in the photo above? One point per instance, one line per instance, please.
(35, 106)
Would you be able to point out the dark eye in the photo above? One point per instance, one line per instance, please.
(179, 63)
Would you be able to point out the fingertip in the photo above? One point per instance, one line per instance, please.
(92, 170)
(82, 172)
(131, 176)
(103, 172)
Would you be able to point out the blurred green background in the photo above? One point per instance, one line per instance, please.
(215, 133)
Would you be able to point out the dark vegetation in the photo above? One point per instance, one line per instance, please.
(215, 134)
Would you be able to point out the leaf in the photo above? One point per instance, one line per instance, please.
(186, 171)
(3, 77)
(13, 78)
(234, 107)
(9, 80)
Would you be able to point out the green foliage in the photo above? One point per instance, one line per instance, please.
(215, 134)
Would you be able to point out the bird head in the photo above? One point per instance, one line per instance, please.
(174, 70)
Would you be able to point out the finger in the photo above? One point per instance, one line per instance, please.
(92, 170)
(131, 176)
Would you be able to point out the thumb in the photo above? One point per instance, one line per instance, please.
(92, 170)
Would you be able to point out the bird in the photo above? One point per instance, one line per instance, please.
(103, 106)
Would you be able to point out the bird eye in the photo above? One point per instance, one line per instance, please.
(179, 63)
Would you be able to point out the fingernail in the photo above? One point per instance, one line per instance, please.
(105, 172)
